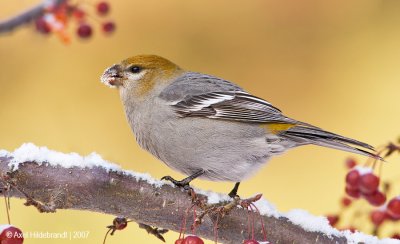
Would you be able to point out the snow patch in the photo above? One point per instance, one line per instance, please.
(320, 224)
(266, 208)
(363, 170)
(358, 237)
(310, 222)
(3, 227)
(213, 197)
(29, 152)
(42, 155)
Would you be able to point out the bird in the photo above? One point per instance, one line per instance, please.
(207, 127)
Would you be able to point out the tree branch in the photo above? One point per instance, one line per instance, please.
(27, 16)
(120, 193)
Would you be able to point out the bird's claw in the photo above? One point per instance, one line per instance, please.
(179, 183)
(233, 192)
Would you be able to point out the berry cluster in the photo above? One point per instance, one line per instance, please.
(55, 19)
(390, 212)
(362, 183)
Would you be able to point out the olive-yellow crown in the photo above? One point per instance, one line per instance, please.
(141, 73)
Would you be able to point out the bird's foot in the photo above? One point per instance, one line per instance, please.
(218, 210)
(185, 182)
(237, 201)
(233, 192)
(178, 183)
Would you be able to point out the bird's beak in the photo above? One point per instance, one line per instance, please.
(112, 76)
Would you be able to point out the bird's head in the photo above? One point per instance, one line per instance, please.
(140, 74)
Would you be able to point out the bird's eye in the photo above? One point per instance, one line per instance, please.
(135, 69)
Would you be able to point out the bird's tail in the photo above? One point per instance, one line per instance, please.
(312, 135)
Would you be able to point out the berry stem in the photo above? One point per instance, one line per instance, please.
(262, 222)
(248, 222)
(183, 227)
(105, 237)
(252, 222)
(216, 229)
(7, 203)
(194, 220)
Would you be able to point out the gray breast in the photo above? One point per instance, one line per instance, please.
(227, 151)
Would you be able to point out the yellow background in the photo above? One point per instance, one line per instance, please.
(334, 64)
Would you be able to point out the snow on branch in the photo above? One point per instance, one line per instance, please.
(27, 16)
(52, 180)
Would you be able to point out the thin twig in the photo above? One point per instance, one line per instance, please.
(27, 16)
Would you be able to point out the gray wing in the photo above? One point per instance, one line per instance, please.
(200, 95)
(206, 96)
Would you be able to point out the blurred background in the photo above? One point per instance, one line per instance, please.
(334, 64)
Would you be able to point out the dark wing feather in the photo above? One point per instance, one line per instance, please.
(231, 105)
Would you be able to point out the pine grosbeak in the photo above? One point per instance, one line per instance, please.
(208, 127)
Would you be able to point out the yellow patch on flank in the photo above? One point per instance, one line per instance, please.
(275, 128)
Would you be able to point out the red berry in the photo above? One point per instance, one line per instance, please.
(193, 240)
(42, 26)
(120, 223)
(103, 8)
(108, 27)
(369, 183)
(78, 13)
(393, 208)
(396, 236)
(333, 219)
(84, 30)
(353, 179)
(346, 201)
(351, 163)
(10, 235)
(377, 217)
(180, 241)
(352, 192)
(376, 199)
(250, 242)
